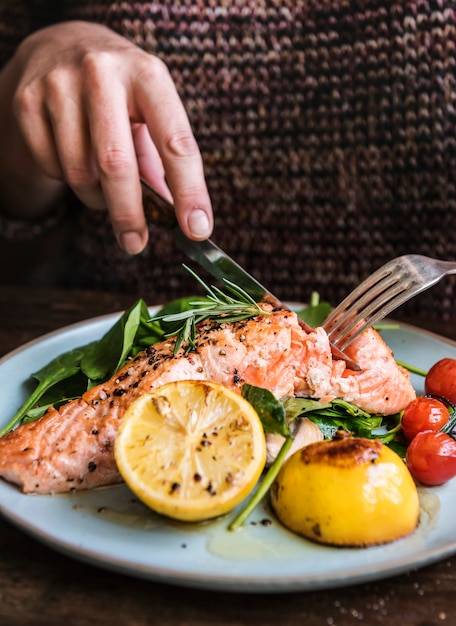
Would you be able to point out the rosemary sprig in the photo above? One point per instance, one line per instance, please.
(263, 488)
(234, 306)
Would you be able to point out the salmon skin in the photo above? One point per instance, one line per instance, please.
(73, 447)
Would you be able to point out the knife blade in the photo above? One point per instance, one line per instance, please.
(215, 261)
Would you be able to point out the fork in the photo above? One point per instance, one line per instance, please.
(383, 291)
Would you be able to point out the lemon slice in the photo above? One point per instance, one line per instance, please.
(191, 450)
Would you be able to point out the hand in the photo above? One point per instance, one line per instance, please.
(82, 105)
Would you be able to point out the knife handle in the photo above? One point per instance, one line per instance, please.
(157, 209)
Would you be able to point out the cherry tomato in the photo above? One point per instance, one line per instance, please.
(431, 458)
(424, 414)
(441, 380)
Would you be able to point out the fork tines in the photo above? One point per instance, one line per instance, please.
(371, 301)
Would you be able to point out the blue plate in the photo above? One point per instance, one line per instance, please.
(109, 528)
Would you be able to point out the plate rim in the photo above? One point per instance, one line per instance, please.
(175, 576)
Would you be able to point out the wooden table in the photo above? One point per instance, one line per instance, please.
(40, 587)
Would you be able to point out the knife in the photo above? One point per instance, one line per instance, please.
(209, 256)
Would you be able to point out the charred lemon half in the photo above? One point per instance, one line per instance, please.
(346, 492)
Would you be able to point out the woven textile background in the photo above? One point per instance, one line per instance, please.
(327, 129)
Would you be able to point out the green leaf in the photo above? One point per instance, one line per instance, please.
(147, 333)
(270, 410)
(109, 353)
(316, 313)
(399, 448)
(297, 407)
(331, 416)
(62, 367)
(349, 409)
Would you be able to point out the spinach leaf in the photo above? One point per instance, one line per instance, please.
(316, 313)
(330, 416)
(297, 407)
(277, 415)
(58, 394)
(399, 448)
(270, 410)
(62, 367)
(107, 355)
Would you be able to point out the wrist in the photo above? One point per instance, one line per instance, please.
(29, 207)
(28, 196)
(25, 229)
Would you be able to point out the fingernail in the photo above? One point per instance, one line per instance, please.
(198, 223)
(131, 242)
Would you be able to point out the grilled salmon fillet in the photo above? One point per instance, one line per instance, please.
(73, 447)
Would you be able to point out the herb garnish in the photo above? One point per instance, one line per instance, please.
(217, 305)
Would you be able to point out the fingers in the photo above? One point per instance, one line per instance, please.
(52, 119)
(31, 113)
(122, 149)
(70, 127)
(114, 152)
(100, 116)
(170, 130)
